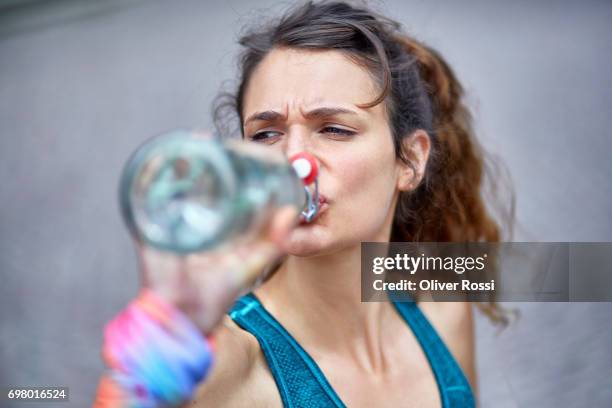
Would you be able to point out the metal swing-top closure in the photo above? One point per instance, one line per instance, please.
(306, 167)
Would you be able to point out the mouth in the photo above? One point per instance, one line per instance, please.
(323, 204)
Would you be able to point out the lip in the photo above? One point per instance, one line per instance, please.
(323, 204)
(322, 199)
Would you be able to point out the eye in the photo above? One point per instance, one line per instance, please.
(337, 131)
(267, 136)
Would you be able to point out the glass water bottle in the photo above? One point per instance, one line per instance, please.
(185, 192)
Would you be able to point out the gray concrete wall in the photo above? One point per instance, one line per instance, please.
(82, 83)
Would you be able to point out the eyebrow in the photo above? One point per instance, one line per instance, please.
(327, 112)
(266, 116)
(318, 113)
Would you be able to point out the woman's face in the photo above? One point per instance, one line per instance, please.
(300, 100)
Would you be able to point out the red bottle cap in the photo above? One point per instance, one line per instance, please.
(306, 167)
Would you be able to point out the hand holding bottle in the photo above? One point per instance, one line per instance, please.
(204, 285)
(207, 217)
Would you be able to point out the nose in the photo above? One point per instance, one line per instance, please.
(298, 140)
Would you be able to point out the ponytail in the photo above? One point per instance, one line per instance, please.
(448, 205)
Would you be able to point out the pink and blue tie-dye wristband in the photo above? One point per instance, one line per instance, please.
(156, 356)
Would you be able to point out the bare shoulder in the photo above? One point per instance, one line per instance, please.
(454, 322)
(235, 380)
(449, 318)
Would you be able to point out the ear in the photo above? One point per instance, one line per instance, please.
(416, 147)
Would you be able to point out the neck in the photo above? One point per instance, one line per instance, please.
(318, 299)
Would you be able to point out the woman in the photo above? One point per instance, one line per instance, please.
(382, 114)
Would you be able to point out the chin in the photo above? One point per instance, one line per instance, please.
(306, 241)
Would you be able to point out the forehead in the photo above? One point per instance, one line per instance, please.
(288, 77)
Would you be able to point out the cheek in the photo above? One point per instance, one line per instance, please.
(367, 185)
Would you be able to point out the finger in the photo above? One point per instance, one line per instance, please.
(270, 247)
(249, 263)
(237, 271)
(283, 221)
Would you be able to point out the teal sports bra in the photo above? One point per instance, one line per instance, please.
(302, 384)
